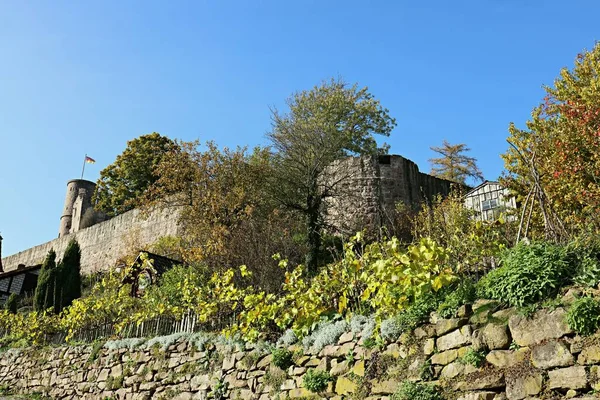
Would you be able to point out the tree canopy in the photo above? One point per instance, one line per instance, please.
(324, 124)
(555, 161)
(125, 180)
(227, 218)
(454, 165)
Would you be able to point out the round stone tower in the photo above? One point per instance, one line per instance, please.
(75, 188)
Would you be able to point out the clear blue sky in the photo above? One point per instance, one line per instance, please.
(85, 77)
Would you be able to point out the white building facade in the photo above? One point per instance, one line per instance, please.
(489, 200)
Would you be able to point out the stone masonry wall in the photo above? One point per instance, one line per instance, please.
(525, 358)
(373, 186)
(104, 243)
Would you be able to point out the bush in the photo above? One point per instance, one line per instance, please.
(417, 391)
(282, 358)
(463, 293)
(474, 358)
(584, 316)
(470, 243)
(287, 339)
(325, 334)
(316, 381)
(390, 329)
(529, 273)
(585, 253)
(417, 313)
(11, 303)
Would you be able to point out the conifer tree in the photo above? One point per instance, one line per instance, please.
(44, 292)
(68, 275)
(11, 303)
(454, 165)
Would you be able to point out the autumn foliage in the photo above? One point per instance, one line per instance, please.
(562, 142)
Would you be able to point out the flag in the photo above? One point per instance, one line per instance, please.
(89, 160)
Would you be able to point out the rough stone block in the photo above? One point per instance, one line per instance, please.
(455, 339)
(495, 336)
(544, 325)
(444, 358)
(551, 354)
(493, 380)
(567, 378)
(506, 358)
(524, 386)
(589, 355)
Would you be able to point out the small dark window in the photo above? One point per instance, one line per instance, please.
(489, 204)
(385, 159)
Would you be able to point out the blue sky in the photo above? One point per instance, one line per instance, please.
(85, 77)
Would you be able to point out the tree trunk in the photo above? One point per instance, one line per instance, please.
(313, 230)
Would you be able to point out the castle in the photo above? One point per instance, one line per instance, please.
(373, 187)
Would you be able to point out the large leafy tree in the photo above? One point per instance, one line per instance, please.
(125, 180)
(324, 124)
(454, 165)
(555, 161)
(226, 216)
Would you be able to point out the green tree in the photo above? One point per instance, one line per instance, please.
(125, 180)
(554, 162)
(226, 217)
(11, 303)
(44, 292)
(454, 165)
(324, 124)
(68, 277)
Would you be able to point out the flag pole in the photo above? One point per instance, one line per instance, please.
(83, 169)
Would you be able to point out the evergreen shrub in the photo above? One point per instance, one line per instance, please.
(584, 316)
(528, 274)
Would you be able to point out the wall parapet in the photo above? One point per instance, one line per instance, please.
(104, 243)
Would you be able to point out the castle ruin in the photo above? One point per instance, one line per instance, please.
(371, 189)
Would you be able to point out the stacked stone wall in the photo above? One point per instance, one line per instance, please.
(536, 357)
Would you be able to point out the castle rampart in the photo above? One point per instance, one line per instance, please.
(368, 191)
(104, 243)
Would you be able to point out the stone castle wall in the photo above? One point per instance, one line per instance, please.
(372, 188)
(104, 243)
(521, 358)
(369, 191)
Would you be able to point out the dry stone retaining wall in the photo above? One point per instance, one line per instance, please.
(525, 358)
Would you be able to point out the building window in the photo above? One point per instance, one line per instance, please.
(489, 204)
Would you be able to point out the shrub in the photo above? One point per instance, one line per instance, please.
(463, 293)
(282, 358)
(417, 391)
(326, 333)
(470, 243)
(390, 329)
(417, 313)
(529, 273)
(474, 358)
(129, 344)
(287, 339)
(585, 253)
(316, 381)
(362, 326)
(584, 316)
(11, 303)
